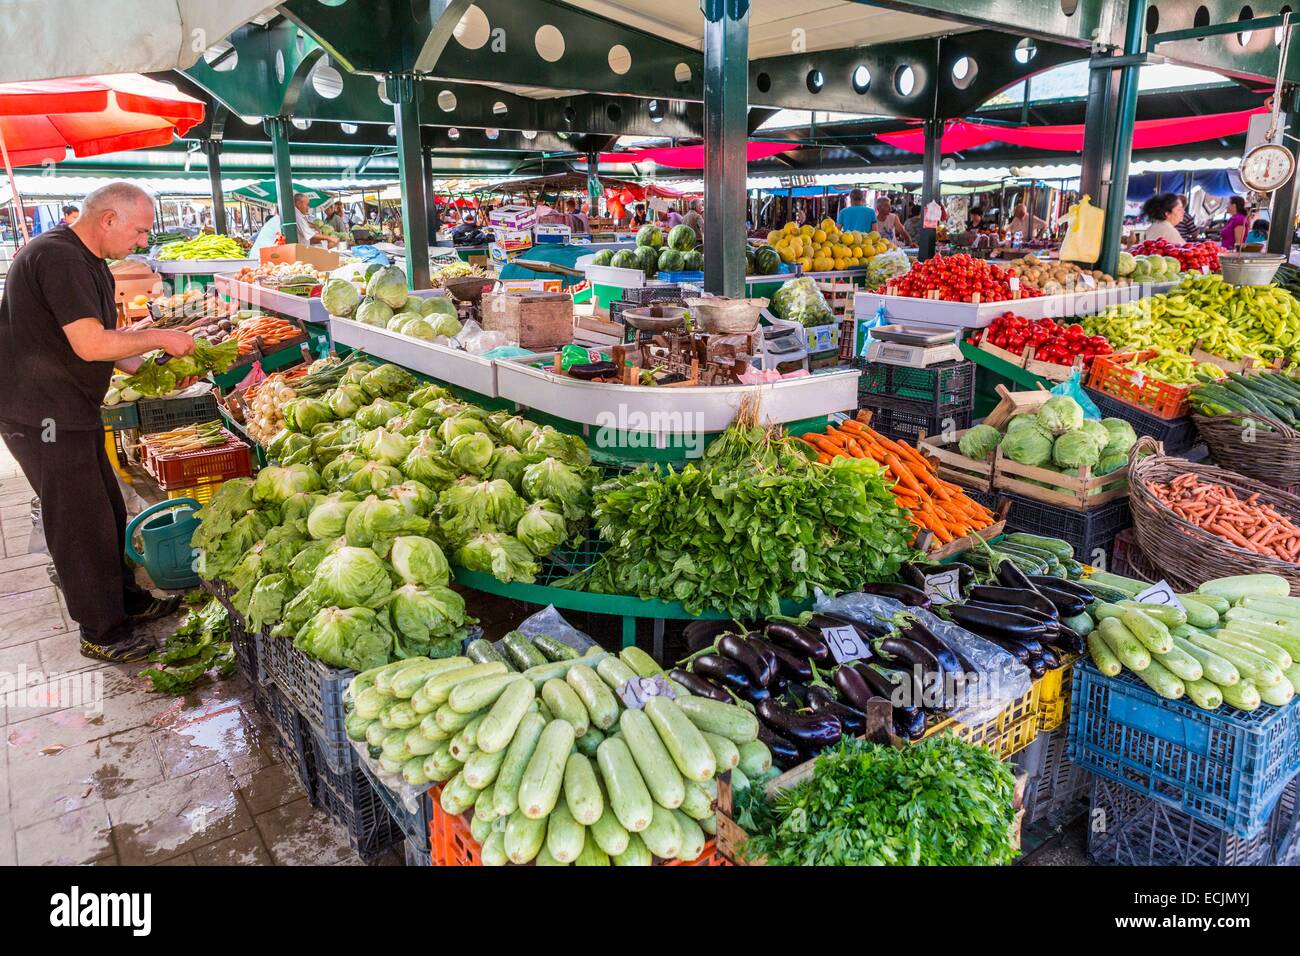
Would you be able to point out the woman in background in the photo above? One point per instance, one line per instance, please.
(1165, 212)
(1234, 231)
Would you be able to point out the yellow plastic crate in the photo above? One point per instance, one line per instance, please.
(1006, 734)
(1054, 695)
(203, 492)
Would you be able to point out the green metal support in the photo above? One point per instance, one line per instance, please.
(1283, 205)
(212, 148)
(410, 165)
(930, 182)
(593, 183)
(277, 127)
(1134, 35)
(726, 78)
(1098, 134)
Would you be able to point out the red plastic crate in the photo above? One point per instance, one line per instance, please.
(1111, 374)
(231, 460)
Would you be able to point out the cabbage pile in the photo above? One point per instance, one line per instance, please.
(343, 543)
(387, 305)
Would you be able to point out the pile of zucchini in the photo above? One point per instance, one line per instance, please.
(553, 767)
(1235, 640)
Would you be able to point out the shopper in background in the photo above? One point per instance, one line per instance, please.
(70, 215)
(1164, 212)
(307, 233)
(856, 217)
(914, 223)
(1258, 232)
(1022, 222)
(694, 218)
(58, 324)
(888, 224)
(674, 218)
(576, 220)
(1234, 231)
(1188, 228)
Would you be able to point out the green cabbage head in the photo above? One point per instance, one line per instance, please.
(1060, 414)
(351, 577)
(980, 442)
(1027, 446)
(1075, 450)
(1122, 437)
(419, 561)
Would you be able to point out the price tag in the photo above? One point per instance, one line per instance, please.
(845, 644)
(637, 693)
(1138, 378)
(1160, 593)
(1013, 283)
(944, 587)
(1205, 270)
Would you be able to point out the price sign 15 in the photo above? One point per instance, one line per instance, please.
(1160, 593)
(845, 644)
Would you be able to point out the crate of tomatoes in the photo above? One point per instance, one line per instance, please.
(1044, 347)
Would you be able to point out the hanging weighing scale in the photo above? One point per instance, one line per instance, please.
(1268, 166)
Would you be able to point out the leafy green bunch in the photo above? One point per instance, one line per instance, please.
(200, 644)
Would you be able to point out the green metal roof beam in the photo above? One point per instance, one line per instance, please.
(1210, 34)
(1086, 22)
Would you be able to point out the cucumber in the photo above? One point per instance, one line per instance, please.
(498, 727)
(1243, 613)
(1287, 606)
(642, 664)
(413, 773)
(438, 687)
(1166, 614)
(739, 781)
(755, 758)
(400, 715)
(524, 836)
(1204, 694)
(449, 721)
(591, 855)
(410, 679)
(1198, 614)
(564, 835)
(520, 651)
(693, 838)
(366, 679)
(582, 790)
(540, 786)
(375, 734)
(543, 672)
(428, 727)
(1257, 645)
(1124, 645)
(726, 720)
(682, 738)
(1056, 546)
(421, 704)
(1081, 624)
(479, 828)
(1260, 671)
(564, 703)
(481, 768)
(1148, 630)
(709, 825)
(589, 742)
(599, 700)
(663, 837)
(418, 744)
(482, 652)
(485, 807)
(355, 726)
(1241, 586)
(725, 753)
(370, 703)
(1220, 605)
(636, 853)
(440, 764)
(697, 804)
(493, 852)
(652, 758)
(1162, 682)
(1293, 675)
(457, 796)
(1104, 592)
(391, 765)
(1182, 665)
(608, 833)
(1213, 667)
(518, 754)
(383, 679)
(465, 742)
(1105, 659)
(615, 673)
(1273, 633)
(474, 695)
(554, 649)
(1279, 695)
(1129, 586)
(628, 795)
(1243, 695)
(544, 710)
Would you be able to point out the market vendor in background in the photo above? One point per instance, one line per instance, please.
(1258, 234)
(58, 332)
(888, 224)
(974, 223)
(914, 222)
(1188, 228)
(307, 233)
(1164, 211)
(694, 218)
(1022, 222)
(856, 216)
(1233, 235)
(335, 219)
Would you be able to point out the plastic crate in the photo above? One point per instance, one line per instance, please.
(686, 275)
(1176, 434)
(245, 646)
(316, 689)
(933, 390)
(645, 295)
(121, 416)
(203, 492)
(908, 424)
(163, 414)
(291, 737)
(417, 854)
(1127, 559)
(353, 802)
(231, 460)
(1111, 374)
(1007, 734)
(1226, 768)
(1128, 829)
(414, 824)
(1054, 696)
(1091, 533)
(1058, 789)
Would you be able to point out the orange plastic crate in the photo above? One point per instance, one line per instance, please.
(231, 460)
(1111, 374)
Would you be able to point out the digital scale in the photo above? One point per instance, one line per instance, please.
(913, 348)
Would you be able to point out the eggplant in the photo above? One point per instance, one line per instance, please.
(788, 663)
(766, 651)
(822, 701)
(756, 694)
(1050, 658)
(1014, 597)
(1008, 575)
(1063, 584)
(798, 640)
(903, 593)
(1014, 648)
(867, 630)
(1068, 604)
(945, 655)
(1068, 640)
(984, 621)
(702, 634)
(909, 652)
(909, 724)
(915, 573)
(877, 683)
(852, 687)
(699, 686)
(812, 731)
(784, 753)
(1037, 668)
(725, 671)
(796, 693)
(1022, 611)
(747, 656)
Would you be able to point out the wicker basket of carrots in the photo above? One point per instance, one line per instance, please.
(939, 509)
(1198, 522)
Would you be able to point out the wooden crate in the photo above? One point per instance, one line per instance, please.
(1080, 494)
(533, 320)
(952, 465)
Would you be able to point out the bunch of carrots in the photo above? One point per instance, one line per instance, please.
(933, 504)
(270, 330)
(1246, 522)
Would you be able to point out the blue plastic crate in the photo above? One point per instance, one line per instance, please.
(684, 276)
(1226, 768)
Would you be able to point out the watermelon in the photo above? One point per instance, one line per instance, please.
(767, 261)
(749, 260)
(625, 259)
(603, 258)
(694, 261)
(647, 258)
(681, 238)
(649, 235)
(670, 260)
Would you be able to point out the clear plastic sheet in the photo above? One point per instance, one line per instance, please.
(1000, 678)
(548, 621)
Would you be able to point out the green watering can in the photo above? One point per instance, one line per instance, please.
(168, 555)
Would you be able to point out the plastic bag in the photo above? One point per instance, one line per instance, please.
(1072, 387)
(885, 266)
(799, 300)
(548, 621)
(1082, 242)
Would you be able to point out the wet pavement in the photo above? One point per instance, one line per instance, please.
(98, 769)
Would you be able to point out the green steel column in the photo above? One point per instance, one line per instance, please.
(930, 182)
(277, 127)
(1134, 35)
(726, 99)
(593, 183)
(1098, 135)
(1282, 208)
(213, 150)
(410, 171)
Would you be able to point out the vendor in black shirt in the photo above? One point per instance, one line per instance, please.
(59, 340)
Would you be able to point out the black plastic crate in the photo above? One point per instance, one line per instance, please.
(908, 424)
(415, 824)
(292, 737)
(120, 417)
(1177, 434)
(354, 803)
(1058, 789)
(417, 855)
(164, 414)
(245, 647)
(935, 389)
(645, 295)
(316, 690)
(1091, 533)
(1127, 559)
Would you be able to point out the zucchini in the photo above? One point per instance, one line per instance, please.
(457, 796)
(375, 734)
(739, 781)
(1279, 695)
(709, 825)
(725, 754)
(652, 759)
(1221, 605)
(413, 773)
(440, 764)
(1243, 613)
(383, 679)
(1131, 652)
(498, 727)
(370, 703)
(482, 652)
(524, 836)
(540, 786)
(474, 695)
(410, 679)
(663, 837)
(520, 651)
(755, 758)
(428, 727)
(1281, 607)
(590, 741)
(544, 858)
(1166, 614)
(1182, 665)
(642, 664)
(394, 746)
(683, 739)
(438, 687)
(418, 744)
(615, 673)
(1243, 695)
(591, 855)
(1104, 592)
(543, 672)
(1285, 638)
(564, 704)
(564, 835)
(485, 807)
(1198, 614)
(697, 804)
(693, 838)
(1162, 682)
(399, 715)
(1148, 630)
(1081, 624)
(1260, 671)
(481, 768)
(608, 833)
(726, 720)
(391, 764)
(554, 649)
(1293, 675)
(480, 828)
(449, 721)
(636, 853)
(355, 727)
(518, 754)
(493, 852)
(710, 787)
(1241, 586)
(1103, 656)
(1056, 546)
(1204, 694)
(421, 704)
(628, 795)
(465, 742)
(1256, 645)
(582, 790)
(1213, 667)
(595, 696)
(1129, 586)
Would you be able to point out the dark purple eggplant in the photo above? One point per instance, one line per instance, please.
(915, 573)
(1061, 584)
(916, 631)
(1068, 640)
(756, 694)
(789, 663)
(766, 650)
(821, 701)
(702, 634)
(1037, 667)
(853, 687)
(796, 694)
(798, 640)
(784, 753)
(1014, 648)
(983, 621)
(699, 686)
(1014, 597)
(1010, 576)
(723, 670)
(909, 652)
(811, 731)
(909, 724)
(1066, 603)
(903, 593)
(1029, 612)
(747, 656)
(877, 683)
(1050, 658)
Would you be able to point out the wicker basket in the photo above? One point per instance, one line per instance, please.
(1270, 455)
(1187, 554)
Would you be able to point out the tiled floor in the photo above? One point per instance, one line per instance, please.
(97, 769)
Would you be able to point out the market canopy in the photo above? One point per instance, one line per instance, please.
(265, 192)
(691, 157)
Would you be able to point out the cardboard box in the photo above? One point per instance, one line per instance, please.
(533, 320)
(322, 259)
(513, 217)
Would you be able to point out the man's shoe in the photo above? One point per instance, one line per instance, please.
(127, 652)
(158, 608)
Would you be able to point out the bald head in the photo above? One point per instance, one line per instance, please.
(115, 220)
